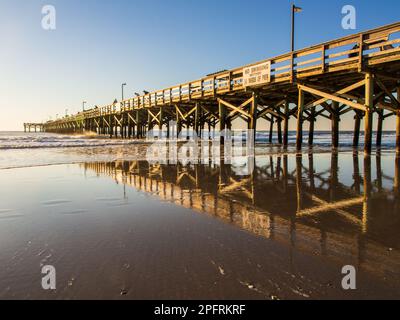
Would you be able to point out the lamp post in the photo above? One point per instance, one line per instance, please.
(122, 89)
(294, 11)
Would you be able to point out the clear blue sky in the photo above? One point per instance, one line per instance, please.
(148, 44)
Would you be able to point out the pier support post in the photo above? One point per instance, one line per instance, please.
(196, 120)
(160, 123)
(110, 126)
(178, 122)
(150, 133)
(335, 124)
(300, 107)
(271, 129)
(138, 128)
(286, 125)
(311, 129)
(252, 125)
(279, 124)
(369, 103)
(379, 129)
(357, 124)
(222, 122)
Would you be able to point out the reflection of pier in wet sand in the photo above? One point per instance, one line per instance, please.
(285, 199)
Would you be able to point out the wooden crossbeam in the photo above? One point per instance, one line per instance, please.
(155, 117)
(104, 119)
(382, 105)
(388, 93)
(270, 110)
(333, 97)
(342, 91)
(134, 120)
(237, 109)
(184, 116)
(116, 119)
(346, 110)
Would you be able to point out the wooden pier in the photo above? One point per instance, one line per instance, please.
(36, 127)
(358, 74)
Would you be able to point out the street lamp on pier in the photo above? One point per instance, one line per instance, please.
(294, 11)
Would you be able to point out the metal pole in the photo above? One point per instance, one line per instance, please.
(122, 89)
(292, 48)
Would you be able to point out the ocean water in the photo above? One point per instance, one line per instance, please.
(19, 149)
(21, 140)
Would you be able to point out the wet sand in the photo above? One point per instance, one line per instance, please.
(134, 230)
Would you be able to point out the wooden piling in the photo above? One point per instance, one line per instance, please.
(222, 122)
(279, 124)
(196, 121)
(271, 129)
(357, 125)
(379, 129)
(335, 124)
(311, 128)
(138, 124)
(300, 106)
(286, 124)
(253, 120)
(369, 104)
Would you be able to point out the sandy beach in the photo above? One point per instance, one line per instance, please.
(124, 228)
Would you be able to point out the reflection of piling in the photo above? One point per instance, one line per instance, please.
(241, 200)
(396, 184)
(334, 181)
(367, 193)
(356, 172)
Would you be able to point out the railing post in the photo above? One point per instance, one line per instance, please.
(360, 52)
